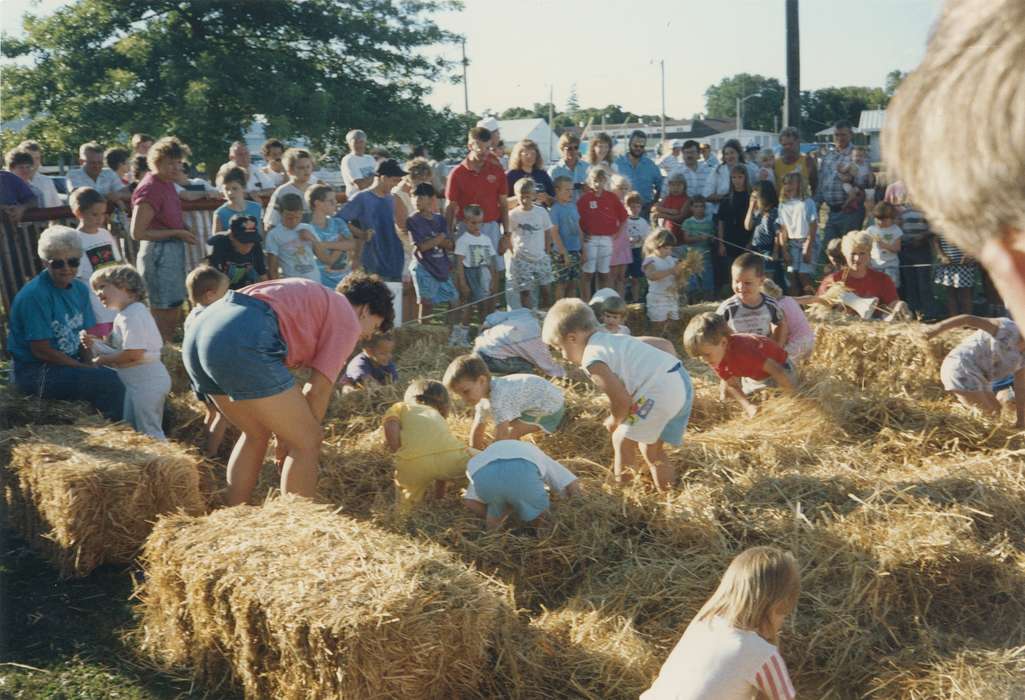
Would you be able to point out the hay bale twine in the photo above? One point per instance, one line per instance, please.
(298, 601)
(87, 494)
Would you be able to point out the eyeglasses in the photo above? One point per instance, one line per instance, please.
(571, 148)
(59, 263)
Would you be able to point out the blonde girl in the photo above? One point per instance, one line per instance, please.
(426, 452)
(661, 270)
(730, 649)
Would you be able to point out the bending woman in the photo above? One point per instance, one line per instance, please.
(239, 350)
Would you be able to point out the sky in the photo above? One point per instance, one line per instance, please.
(522, 51)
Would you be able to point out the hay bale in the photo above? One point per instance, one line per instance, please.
(17, 410)
(87, 494)
(298, 601)
(171, 356)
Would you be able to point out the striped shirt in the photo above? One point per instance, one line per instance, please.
(830, 188)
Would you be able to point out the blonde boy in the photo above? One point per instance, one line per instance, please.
(650, 392)
(298, 163)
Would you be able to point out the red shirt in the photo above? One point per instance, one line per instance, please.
(674, 201)
(467, 186)
(873, 284)
(161, 195)
(746, 355)
(601, 215)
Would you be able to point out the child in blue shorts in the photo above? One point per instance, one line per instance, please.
(566, 222)
(511, 475)
(650, 392)
(432, 266)
(475, 265)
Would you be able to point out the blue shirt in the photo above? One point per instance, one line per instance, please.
(383, 253)
(224, 213)
(331, 275)
(42, 311)
(567, 218)
(578, 174)
(14, 190)
(646, 178)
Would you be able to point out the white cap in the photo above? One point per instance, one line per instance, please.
(489, 123)
(676, 143)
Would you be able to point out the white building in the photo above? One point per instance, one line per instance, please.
(537, 130)
(871, 125)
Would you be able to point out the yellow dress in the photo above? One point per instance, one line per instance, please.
(429, 450)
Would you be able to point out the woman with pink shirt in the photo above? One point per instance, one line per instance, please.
(239, 350)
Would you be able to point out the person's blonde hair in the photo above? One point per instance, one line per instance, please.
(202, 280)
(966, 97)
(595, 174)
(517, 151)
(167, 147)
(123, 277)
(567, 316)
(428, 392)
(704, 329)
(465, 368)
(757, 580)
(292, 155)
(856, 240)
(603, 138)
(524, 184)
(658, 238)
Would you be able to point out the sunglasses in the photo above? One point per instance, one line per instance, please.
(59, 263)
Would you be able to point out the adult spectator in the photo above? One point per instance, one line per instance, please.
(861, 279)
(371, 218)
(570, 165)
(718, 184)
(239, 351)
(599, 154)
(141, 144)
(830, 189)
(672, 160)
(643, 173)
(792, 160)
(358, 166)
(43, 183)
(93, 174)
(140, 166)
(526, 161)
(15, 195)
(157, 222)
(708, 155)
(695, 172)
(20, 163)
(47, 318)
(273, 151)
(117, 161)
(258, 183)
(496, 147)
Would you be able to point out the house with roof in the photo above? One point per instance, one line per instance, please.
(537, 130)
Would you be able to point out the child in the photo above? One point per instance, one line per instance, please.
(886, 235)
(99, 250)
(134, 350)
(373, 364)
(298, 163)
(205, 285)
(613, 314)
(520, 404)
(699, 232)
(566, 226)
(735, 356)
(835, 260)
(730, 649)
(334, 243)
(994, 352)
(956, 272)
(475, 265)
(767, 166)
(621, 251)
(510, 343)
(800, 335)
(432, 266)
(529, 241)
(798, 226)
(290, 242)
(673, 210)
(763, 222)
(238, 253)
(661, 269)
(416, 432)
(231, 180)
(749, 310)
(510, 475)
(650, 393)
(637, 229)
(601, 216)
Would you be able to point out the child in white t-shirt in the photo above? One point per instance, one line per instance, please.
(886, 241)
(798, 229)
(290, 243)
(730, 649)
(475, 265)
(99, 249)
(662, 269)
(650, 393)
(528, 258)
(519, 404)
(134, 350)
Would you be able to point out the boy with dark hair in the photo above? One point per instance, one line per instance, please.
(749, 310)
(238, 253)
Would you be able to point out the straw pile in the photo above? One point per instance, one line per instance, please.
(171, 356)
(297, 601)
(86, 494)
(17, 410)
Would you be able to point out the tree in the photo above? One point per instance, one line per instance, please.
(893, 80)
(759, 112)
(203, 70)
(822, 108)
(572, 103)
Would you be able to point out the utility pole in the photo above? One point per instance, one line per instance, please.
(792, 101)
(551, 120)
(466, 82)
(662, 64)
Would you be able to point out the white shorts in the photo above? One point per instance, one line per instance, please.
(663, 308)
(599, 254)
(650, 416)
(958, 375)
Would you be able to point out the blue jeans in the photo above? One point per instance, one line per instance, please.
(100, 386)
(840, 223)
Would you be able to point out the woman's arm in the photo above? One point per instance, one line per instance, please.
(400, 215)
(749, 216)
(44, 352)
(962, 321)
(318, 394)
(142, 217)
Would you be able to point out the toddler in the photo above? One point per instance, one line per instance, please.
(510, 343)
(800, 335)
(99, 250)
(798, 226)
(601, 217)
(699, 232)
(637, 229)
(475, 264)
(238, 253)
(205, 285)
(520, 404)
(757, 360)
(767, 166)
(432, 267)
(650, 393)
(510, 476)
(566, 227)
(290, 243)
(134, 350)
(231, 180)
(674, 209)
(662, 271)
(749, 310)
(730, 649)
(334, 246)
(886, 241)
(529, 242)
(373, 364)
(613, 313)
(426, 452)
(298, 163)
(994, 352)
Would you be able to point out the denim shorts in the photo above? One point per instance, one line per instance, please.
(478, 279)
(235, 349)
(162, 266)
(511, 482)
(429, 288)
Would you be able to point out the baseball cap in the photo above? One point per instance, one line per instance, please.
(676, 143)
(244, 229)
(489, 123)
(389, 167)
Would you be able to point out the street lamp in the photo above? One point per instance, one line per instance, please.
(740, 103)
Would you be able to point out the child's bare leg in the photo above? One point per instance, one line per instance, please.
(624, 457)
(585, 284)
(983, 400)
(662, 472)
(476, 507)
(514, 430)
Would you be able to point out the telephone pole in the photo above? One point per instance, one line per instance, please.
(662, 63)
(466, 81)
(792, 101)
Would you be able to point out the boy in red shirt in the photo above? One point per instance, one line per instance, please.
(601, 216)
(757, 360)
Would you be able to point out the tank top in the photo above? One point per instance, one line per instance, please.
(801, 166)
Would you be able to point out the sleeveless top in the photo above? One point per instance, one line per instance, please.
(801, 166)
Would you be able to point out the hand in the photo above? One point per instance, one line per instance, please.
(186, 236)
(87, 340)
(610, 423)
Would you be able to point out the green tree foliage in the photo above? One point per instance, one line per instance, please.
(572, 102)
(822, 108)
(202, 70)
(893, 80)
(758, 112)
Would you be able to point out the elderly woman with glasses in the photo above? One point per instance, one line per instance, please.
(47, 319)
